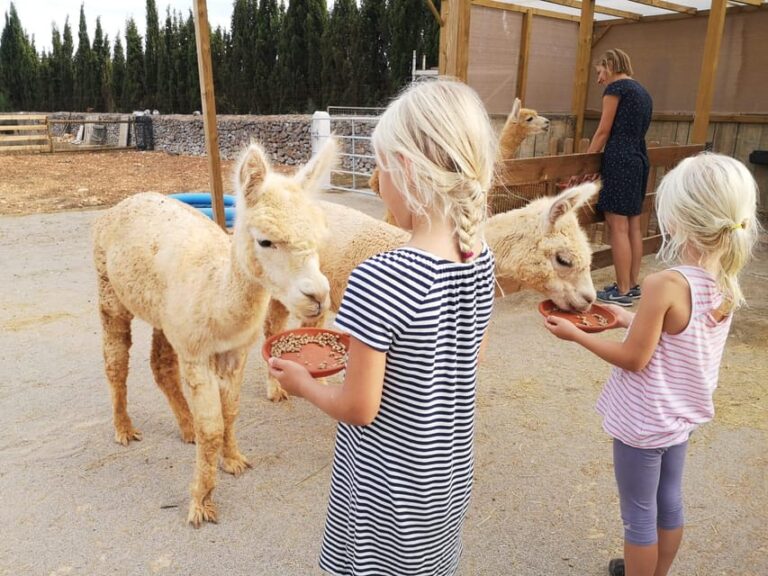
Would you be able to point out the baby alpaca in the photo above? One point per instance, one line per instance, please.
(205, 295)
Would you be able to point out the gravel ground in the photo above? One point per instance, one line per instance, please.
(74, 502)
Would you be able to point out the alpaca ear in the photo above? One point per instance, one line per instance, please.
(516, 106)
(373, 181)
(314, 172)
(251, 170)
(571, 199)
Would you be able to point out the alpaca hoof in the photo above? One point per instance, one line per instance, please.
(125, 436)
(275, 393)
(202, 512)
(236, 465)
(188, 435)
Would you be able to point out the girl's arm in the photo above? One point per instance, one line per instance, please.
(356, 401)
(610, 105)
(660, 292)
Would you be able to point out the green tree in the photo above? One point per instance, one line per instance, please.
(133, 87)
(301, 55)
(189, 59)
(241, 65)
(374, 52)
(118, 74)
(152, 56)
(18, 64)
(67, 69)
(219, 41)
(406, 19)
(102, 69)
(166, 73)
(341, 71)
(85, 83)
(265, 75)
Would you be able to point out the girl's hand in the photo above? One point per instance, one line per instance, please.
(623, 316)
(562, 328)
(291, 375)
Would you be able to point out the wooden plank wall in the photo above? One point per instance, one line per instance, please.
(24, 133)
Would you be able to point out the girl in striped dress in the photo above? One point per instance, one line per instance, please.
(404, 455)
(666, 369)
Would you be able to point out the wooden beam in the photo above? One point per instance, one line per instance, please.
(525, 48)
(205, 68)
(435, 13)
(749, 2)
(598, 35)
(671, 6)
(515, 8)
(456, 40)
(715, 25)
(576, 4)
(583, 59)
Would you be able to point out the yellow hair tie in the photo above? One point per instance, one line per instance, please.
(737, 226)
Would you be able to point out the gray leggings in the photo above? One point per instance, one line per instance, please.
(650, 489)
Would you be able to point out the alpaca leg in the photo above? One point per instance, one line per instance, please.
(232, 459)
(209, 431)
(116, 327)
(274, 323)
(165, 367)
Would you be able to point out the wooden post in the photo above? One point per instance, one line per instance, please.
(203, 38)
(522, 63)
(454, 38)
(582, 65)
(715, 25)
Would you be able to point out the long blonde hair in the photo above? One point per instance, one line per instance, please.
(708, 205)
(436, 141)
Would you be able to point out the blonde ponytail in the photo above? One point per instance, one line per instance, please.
(708, 205)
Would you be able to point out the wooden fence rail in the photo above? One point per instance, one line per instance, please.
(25, 133)
(520, 181)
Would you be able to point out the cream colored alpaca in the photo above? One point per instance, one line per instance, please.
(539, 247)
(205, 295)
(521, 123)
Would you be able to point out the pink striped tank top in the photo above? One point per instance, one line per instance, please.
(661, 404)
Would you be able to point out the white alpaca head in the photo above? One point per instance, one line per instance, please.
(278, 228)
(542, 247)
(565, 248)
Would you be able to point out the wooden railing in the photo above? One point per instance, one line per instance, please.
(520, 181)
(25, 133)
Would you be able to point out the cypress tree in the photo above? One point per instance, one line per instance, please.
(190, 62)
(241, 56)
(166, 67)
(342, 65)
(265, 75)
(18, 64)
(219, 40)
(301, 55)
(151, 56)
(118, 75)
(374, 49)
(102, 69)
(67, 70)
(133, 87)
(83, 66)
(406, 19)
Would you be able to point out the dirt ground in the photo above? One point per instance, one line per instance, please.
(76, 503)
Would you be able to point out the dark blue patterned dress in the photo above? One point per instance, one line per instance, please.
(625, 164)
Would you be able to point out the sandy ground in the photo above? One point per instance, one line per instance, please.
(76, 503)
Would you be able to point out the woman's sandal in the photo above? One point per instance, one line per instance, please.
(616, 567)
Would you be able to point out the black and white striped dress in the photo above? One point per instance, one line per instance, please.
(401, 486)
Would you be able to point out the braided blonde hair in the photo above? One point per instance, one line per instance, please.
(708, 203)
(437, 143)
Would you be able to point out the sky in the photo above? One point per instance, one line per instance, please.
(37, 15)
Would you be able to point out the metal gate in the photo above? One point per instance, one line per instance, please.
(353, 126)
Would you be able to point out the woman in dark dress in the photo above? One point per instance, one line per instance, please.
(625, 118)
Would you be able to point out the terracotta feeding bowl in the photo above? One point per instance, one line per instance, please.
(321, 351)
(596, 319)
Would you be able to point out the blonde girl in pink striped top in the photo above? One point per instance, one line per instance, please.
(666, 369)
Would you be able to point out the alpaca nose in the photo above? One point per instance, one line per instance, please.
(317, 299)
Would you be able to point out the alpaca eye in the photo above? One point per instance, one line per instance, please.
(563, 262)
(265, 243)
(529, 119)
